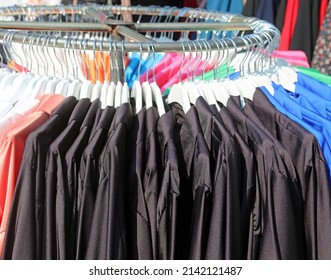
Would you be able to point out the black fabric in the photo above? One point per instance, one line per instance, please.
(152, 174)
(25, 229)
(275, 216)
(247, 176)
(307, 27)
(168, 202)
(88, 180)
(54, 246)
(251, 7)
(72, 161)
(107, 239)
(139, 235)
(225, 205)
(279, 23)
(312, 171)
(196, 198)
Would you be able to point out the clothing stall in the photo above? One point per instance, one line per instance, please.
(188, 136)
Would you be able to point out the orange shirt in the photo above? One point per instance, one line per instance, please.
(11, 152)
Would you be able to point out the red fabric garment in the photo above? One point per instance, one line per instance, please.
(190, 3)
(291, 16)
(323, 9)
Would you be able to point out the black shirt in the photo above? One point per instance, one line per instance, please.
(225, 204)
(152, 173)
(247, 176)
(107, 240)
(197, 184)
(312, 172)
(139, 234)
(72, 159)
(89, 178)
(167, 207)
(55, 190)
(275, 214)
(24, 238)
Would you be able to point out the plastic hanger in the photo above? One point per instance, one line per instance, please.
(104, 92)
(136, 91)
(156, 91)
(111, 94)
(178, 93)
(125, 88)
(75, 85)
(87, 86)
(96, 93)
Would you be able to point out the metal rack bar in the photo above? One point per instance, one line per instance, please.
(264, 30)
(115, 9)
(109, 26)
(96, 44)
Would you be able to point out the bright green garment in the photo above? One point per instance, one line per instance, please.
(222, 72)
(314, 73)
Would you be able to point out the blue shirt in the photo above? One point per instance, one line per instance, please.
(235, 6)
(320, 129)
(312, 101)
(319, 88)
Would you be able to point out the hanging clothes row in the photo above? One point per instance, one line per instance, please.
(232, 164)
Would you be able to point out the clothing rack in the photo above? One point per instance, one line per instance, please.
(261, 30)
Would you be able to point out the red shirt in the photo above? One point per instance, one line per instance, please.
(11, 152)
(291, 15)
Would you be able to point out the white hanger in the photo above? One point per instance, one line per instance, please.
(111, 94)
(156, 91)
(137, 94)
(96, 93)
(104, 92)
(178, 93)
(87, 86)
(147, 94)
(118, 94)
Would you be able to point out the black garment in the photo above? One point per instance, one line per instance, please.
(139, 234)
(152, 173)
(251, 7)
(95, 123)
(167, 207)
(55, 191)
(196, 171)
(144, 185)
(280, 18)
(72, 161)
(275, 214)
(24, 236)
(107, 239)
(307, 27)
(312, 171)
(225, 206)
(247, 177)
(268, 10)
(88, 180)
(292, 173)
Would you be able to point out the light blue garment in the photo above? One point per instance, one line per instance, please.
(132, 67)
(147, 64)
(235, 6)
(218, 5)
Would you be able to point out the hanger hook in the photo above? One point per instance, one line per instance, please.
(123, 60)
(140, 59)
(116, 61)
